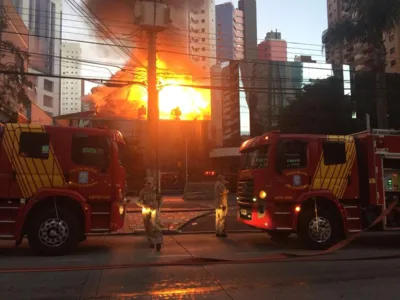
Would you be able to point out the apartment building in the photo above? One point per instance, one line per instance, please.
(359, 55)
(71, 89)
(230, 35)
(43, 20)
(202, 38)
(273, 48)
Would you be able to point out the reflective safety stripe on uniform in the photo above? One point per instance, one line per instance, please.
(152, 226)
(220, 220)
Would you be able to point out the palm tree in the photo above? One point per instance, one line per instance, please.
(370, 23)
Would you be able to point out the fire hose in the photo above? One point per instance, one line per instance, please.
(195, 261)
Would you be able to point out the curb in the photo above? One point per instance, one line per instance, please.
(141, 232)
(130, 211)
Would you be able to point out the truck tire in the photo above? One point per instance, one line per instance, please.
(48, 235)
(320, 237)
(278, 235)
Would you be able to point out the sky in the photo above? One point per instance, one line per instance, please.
(300, 22)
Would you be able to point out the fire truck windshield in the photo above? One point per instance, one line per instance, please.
(255, 158)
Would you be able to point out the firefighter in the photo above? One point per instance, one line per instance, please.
(221, 206)
(151, 201)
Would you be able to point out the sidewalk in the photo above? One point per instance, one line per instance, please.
(176, 214)
(174, 221)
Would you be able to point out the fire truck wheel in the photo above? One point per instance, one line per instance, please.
(318, 234)
(278, 235)
(48, 235)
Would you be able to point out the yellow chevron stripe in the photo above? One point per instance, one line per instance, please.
(334, 178)
(348, 171)
(32, 173)
(21, 182)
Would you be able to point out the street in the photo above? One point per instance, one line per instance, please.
(368, 269)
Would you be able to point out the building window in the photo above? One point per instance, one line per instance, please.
(334, 153)
(91, 151)
(48, 85)
(292, 155)
(392, 50)
(393, 63)
(203, 21)
(48, 101)
(391, 38)
(34, 145)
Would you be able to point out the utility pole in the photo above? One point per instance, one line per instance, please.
(153, 107)
(153, 17)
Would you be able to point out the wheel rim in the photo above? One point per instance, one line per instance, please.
(320, 229)
(53, 233)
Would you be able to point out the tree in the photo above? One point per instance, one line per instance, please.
(371, 21)
(320, 108)
(13, 82)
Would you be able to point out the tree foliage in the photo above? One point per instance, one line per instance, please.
(13, 82)
(320, 108)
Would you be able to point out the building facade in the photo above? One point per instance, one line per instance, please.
(249, 9)
(71, 89)
(230, 36)
(273, 47)
(304, 58)
(43, 20)
(359, 55)
(17, 34)
(202, 41)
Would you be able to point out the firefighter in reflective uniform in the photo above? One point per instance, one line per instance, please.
(150, 201)
(221, 206)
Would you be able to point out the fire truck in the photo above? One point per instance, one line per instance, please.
(321, 187)
(59, 184)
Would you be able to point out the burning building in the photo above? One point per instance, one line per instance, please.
(177, 73)
(185, 107)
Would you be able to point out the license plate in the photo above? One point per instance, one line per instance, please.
(243, 212)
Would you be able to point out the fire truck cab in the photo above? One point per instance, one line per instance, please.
(58, 184)
(321, 187)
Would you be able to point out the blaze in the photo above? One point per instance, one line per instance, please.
(177, 99)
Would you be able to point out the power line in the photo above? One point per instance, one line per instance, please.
(129, 25)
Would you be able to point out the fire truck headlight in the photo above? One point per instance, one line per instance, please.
(262, 194)
(254, 199)
(121, 209)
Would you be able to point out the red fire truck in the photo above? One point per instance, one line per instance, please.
(321, 187)
(59, 184)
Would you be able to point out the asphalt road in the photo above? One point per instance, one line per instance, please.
(351, 273)
(207, 223)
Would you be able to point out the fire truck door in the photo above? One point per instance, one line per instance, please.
(292, 167)
(91, 166)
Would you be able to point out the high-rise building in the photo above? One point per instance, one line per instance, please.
(230, 26)
(43, 20)
(304, 58)
(202, 41)
(71, 88)
(249, 8)
(273, 47)
(359, 55)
